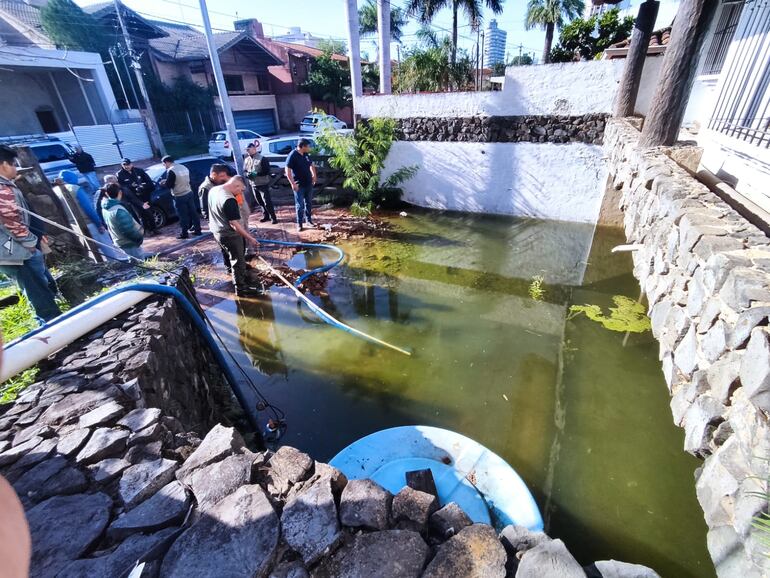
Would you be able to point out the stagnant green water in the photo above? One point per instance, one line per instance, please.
(579, 411)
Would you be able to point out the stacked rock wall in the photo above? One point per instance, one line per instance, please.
(587, 128)
(706, 274)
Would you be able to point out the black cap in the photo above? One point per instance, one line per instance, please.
(167, 159)
(126, 162)
(251, 145)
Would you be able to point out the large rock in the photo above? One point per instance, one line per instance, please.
(388, 554)
(288, 467)
(104, 443)
(70, 443)
(517, 539)
(475, 552)
(117, 563)
(755, 369)
(414, 508)
(141, 418)
(615, 569)
(699, 423)
(37, 454)
(219, 443)
(142, 480)
(366, 504)
(109, 469)
(74, 405)
(63, 528)
(295, 569)
(166, 508)
(213, 482)
(13, 454)
(547, 560)
(238, 537)
(105, 414)
(448, 521)
(309, 521)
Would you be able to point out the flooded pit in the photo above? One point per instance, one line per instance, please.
(579, 411)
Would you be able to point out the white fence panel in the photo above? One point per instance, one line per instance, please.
(100, 142)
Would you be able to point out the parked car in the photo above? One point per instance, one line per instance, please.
(52, 153)
(161, 201)
(219, 143)
(315, 121)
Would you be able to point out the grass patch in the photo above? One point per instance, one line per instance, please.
(536, 289)
(15, 321)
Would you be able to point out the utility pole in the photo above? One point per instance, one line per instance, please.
(637, 54)
(224, 99)
(354, 54)
(383, 22)
(481, 69)
(478, 58)
(520, 47)
(148, 115)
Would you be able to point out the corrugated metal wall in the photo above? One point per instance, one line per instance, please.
(99, 141)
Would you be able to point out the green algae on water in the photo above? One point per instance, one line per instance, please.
(627, 315)
(536, 290)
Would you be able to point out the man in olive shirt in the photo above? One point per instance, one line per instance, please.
(302, 175)
(177, 180)
(225, 224)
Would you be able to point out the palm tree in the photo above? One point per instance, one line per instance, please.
(426, 10)
(550, 14)
(367, 20)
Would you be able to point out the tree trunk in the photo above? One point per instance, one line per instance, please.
(354, 53)
(383, 22)
(637, 53)
(454, 31)
(548, 41)
(661, 127)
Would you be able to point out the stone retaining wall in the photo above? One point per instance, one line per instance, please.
(587, 128)
(706, 274)
(105, 453)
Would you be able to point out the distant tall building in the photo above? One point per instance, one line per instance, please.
(296, 36)
(494, 44)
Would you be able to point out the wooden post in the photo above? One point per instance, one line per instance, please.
(661, 127)
(637, 53)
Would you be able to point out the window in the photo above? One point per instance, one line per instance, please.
(282, 147)
(50, 153)
(47, 120)
(234, 83)
(723, 36)
(218, 137)
(263, 80)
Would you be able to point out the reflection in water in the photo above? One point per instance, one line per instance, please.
(580, 412)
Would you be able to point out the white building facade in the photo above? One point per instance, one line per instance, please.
(494, 44)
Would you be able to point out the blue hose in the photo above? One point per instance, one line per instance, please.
(322, 268)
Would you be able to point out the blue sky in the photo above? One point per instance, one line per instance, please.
(326, 18)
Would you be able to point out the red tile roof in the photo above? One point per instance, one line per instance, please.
(658, 38)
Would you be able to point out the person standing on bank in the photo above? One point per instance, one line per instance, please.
(302, 176)
(86, 165)
(219, 174)
(226, 225)
(134, 180)
(177, 180)
(124, 230)
(20, 259)
(257, 170)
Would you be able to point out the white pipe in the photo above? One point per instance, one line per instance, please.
(26, 353)
(627, 248)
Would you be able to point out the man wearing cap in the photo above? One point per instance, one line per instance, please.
(177, 180)
(20, 259)
(138, 182)
(257, 170)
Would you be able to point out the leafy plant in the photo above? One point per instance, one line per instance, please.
(18, 383)
(536, 290)
(361, 211)
(551, 15)
(589, 37)
(333, 46)
(627, 315)
(328, 81)
(428, 66)
(361, 157)
(69, 26)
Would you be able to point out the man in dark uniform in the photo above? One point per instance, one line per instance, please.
(138, 182)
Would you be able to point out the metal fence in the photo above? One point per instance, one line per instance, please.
(742, 108)
(192, 124)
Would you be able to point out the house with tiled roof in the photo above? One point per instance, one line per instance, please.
(657, 46)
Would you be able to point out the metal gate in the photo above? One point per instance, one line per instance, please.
(108, 144)
(261, 121)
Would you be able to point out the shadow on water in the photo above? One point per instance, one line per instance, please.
(579, 411)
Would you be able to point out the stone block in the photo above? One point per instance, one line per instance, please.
(549, 559)
(448, 521)
(475, 552)
(696, 294)
(414, 508)
(728, 553)
(743, 287)
(151, 433)
(107, 470)
(713, 344)
(142, 480)
(105, 414)
(167, 507)
(104, 443)
(615, 569)
(71, 407)
(13, 454)
(709, 314)
(139, 419)
(364, 503)
(35, 430)
(387, 554)
(747, 320)
(719, 266)
(219, 443)
(722, 376)
(212, 483)
(699, 422)
(238, 537)
(716, 490)
(712, 244)
(309, 521)
(755, 368)
(65, 527)
(35, 455)
(686, 353)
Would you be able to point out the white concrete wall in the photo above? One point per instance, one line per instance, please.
(542, 180)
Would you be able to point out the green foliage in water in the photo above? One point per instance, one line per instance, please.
(536, 290)
(627, 315)
(361, 210)
(361, 157)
